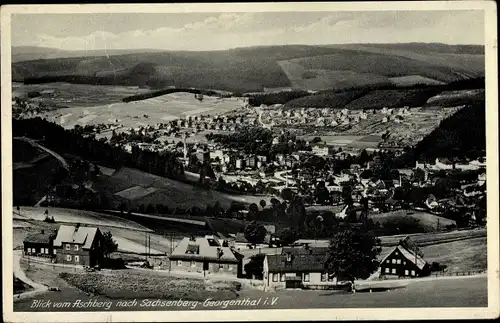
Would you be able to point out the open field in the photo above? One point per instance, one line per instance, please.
(469, 64)
(166, 191)
(60, 94)
(254, 69)
(429, 221)
(145, 112)
(360, 61)
(413, 80)
(456, 98)
(320, 78)
(62, 215)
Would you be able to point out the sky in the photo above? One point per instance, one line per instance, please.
(218, 31)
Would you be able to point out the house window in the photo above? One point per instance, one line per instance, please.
(54, 251)
(323, 277)
(393, 261)
(275, 277)
(330, 277)
(77, 259)
(193, 263)
(306, 277)
(393, 270)
(387, 270)
(229, 267)
(68, 257)
(413, 272)
(179, 262)
(221, 266)
(68, 247)
(76, 247)
(398, 261)
(282, 277)
(407, 273)
(387, 261)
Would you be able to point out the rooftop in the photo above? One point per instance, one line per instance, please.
(204, 248)
(78, 235)
(298, 263)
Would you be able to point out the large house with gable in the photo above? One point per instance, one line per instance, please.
(206, 255)
(78, 245)
(405, 260)
(298, 268)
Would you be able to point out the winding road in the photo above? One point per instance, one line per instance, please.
(20, 274)
(61, 159)
(279, 175)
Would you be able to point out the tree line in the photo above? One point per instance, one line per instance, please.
(89, 148)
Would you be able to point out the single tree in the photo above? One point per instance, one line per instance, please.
(255, 267)
(353, 254)
(109, 245)
(262, 203)
(255, 232)
(287, 236)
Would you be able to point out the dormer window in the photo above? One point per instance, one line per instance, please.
(288, 257)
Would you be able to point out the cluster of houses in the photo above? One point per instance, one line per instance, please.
(298, 266)
(71, 245)
(277, 115)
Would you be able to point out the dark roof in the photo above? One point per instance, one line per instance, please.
(298, 263)
(40, 238)
(305, 251)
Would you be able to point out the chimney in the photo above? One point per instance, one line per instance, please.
(77, 227)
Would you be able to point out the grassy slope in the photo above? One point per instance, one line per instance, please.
(379, 64)
(235, 70)
(252, 69)
(467, 61)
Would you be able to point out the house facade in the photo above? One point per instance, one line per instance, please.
(77, 245)
(206, 255)
(298, 268)
(39, 244)
(405, 260)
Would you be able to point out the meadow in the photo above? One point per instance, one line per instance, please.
(145, 112)
(69, 95)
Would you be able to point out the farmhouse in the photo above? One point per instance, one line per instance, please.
(78, 245)
(405, 260)
(206, 255)
(297, 268)
(39, 244)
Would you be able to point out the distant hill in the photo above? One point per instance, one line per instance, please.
(28, 53)
(252, 69)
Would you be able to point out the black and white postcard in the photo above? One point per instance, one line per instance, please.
(250, 161)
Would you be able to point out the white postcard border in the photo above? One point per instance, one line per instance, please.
(492, 311)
